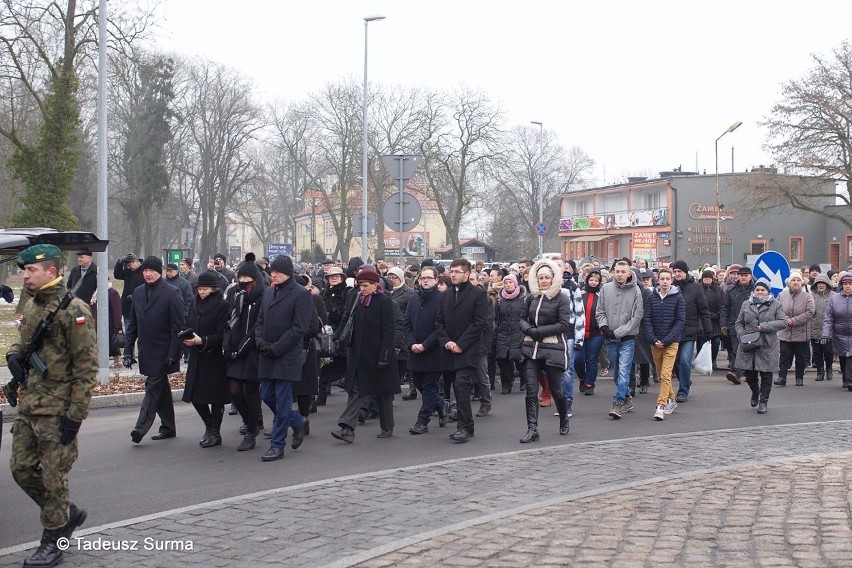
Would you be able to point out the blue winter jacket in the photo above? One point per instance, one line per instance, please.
(664, 318)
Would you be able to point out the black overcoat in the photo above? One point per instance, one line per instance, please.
(285, 316)
(90, 282)
(205, 373)
(309, 385)
(461, 318)
(245, 307)
(155, 320)
(371, 359)
(419, 326)
(132, 279)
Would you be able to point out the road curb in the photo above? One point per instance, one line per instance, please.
(103, 401)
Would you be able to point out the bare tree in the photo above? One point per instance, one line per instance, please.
(810, 133)
(460, 133)
(47, 49)
(531, 164)
(221, 120)
(336, 113)
(395, 129)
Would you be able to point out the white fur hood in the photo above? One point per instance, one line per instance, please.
(555, 288)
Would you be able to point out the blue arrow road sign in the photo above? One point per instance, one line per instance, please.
(541, 228)
(774, 268)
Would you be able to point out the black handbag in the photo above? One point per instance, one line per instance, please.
(116, 342)
(346, 333)
(750, 341)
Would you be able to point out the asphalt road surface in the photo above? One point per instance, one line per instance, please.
(115, 479)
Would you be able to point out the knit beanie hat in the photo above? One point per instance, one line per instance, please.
(397, 271)
(282, 264)
(679, 265)
(762, 284)
(153, 263)
(250, 269)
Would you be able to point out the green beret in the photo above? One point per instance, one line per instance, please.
(38, 253)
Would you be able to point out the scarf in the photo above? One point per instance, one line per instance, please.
(761, 300)
(365, 300)
(505, 295)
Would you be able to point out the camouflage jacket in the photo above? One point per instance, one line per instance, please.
(70, 354)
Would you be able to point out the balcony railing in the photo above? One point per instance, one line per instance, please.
(616, 220)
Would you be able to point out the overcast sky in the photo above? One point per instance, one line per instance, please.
(640, 86)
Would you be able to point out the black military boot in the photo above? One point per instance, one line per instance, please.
(820, 375)
(215, 437)
(76, 517)
(47, 553)
(532, 420)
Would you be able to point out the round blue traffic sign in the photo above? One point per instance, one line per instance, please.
(541, 228)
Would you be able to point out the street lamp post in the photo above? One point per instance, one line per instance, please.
(731, 128)
(540, 176)
(364, 179)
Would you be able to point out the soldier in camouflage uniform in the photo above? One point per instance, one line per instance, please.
(53, 405)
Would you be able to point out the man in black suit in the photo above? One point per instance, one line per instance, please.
(461, 317)
(156, 318)
(87, 271)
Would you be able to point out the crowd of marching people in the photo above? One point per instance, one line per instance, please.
(284, 334)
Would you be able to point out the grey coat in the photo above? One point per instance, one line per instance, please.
(820, 301)
(800, 308)
(771, 318)
(838, 323)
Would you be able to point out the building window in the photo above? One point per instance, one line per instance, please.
(797, 245)
(758, 246)
(652, 200)
(581, 207)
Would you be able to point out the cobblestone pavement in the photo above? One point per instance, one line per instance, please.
(772, 495)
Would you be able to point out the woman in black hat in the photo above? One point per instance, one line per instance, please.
(206, 387)
(241, 352)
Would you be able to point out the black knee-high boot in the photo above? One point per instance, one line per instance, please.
(204, 412)
(755, 389)
(532, 420)
(215, 438)
(765, 389)
(561, 401)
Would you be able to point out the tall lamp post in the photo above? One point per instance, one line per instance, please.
(540, 176)
(731, 128)
(364, 179)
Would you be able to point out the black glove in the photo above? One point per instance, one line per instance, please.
(578, 346)
(128, 362)
(265, 348)
(169, 362)
(127, 258)
(14, 362)
(68, 430)
(822, 341)
(608, 333)
(534, 334)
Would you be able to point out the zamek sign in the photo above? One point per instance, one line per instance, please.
(701, 211)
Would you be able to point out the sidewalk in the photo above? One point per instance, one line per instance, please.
(770, 495)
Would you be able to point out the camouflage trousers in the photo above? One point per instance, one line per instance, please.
(40, 466)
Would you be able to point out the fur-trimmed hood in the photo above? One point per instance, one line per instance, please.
(555, 288)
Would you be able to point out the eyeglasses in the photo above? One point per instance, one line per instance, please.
(426, 278)
(458, 272)
(393, 276)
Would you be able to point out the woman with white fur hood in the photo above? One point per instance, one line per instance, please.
(547, 322)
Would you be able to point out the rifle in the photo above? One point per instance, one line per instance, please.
(29, 358)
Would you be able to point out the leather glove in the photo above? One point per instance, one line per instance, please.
(170, 362)
(68, 430)
(126, 258)
(823, 341)
(128, 362)
(15, 367)
(534, 334)
(608, 333)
